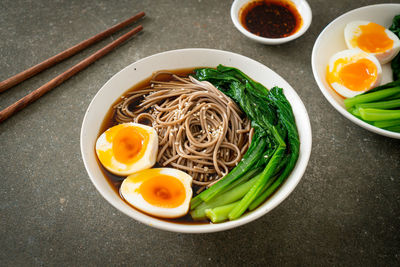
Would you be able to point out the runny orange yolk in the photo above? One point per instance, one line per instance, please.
(128, 143)
(163, 191)
(356, 76)
(373, 38)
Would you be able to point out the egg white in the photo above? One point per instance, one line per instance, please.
(353, 30)
(129, 191)
(146, 161)
(352, 55)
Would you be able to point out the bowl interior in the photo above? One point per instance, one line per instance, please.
(301, 5)
(331, 40)
(178, 59)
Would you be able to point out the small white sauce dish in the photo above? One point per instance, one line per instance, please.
(302, 7)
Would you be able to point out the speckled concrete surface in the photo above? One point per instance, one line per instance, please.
(345, 211)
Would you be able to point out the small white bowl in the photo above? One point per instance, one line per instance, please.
(331, 40)
(184, 59)
(302, 7)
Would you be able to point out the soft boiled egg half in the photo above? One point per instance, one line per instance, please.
(372, 38)
(127, 148)
(161, 192)
(352, 72)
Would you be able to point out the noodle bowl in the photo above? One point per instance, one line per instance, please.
(201, 130)
(99, 116)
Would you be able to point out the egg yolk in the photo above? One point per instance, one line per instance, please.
(128, 143)
(163, 191)
(373, 38)
(356, 76)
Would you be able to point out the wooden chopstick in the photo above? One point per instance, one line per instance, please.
(31, 97)
(22, 76)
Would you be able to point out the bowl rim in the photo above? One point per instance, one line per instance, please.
(324, 91)
(296, 175)
(306, 16)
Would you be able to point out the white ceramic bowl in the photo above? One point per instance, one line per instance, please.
(178, 59)
(331, 40)
(301, 5)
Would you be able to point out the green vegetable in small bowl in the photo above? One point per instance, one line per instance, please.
(380, 106)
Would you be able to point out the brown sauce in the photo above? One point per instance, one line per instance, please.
(270, 18)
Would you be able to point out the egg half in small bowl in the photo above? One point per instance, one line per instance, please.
(352, 72)
(372, 38)
(161, 192)
(127, 148)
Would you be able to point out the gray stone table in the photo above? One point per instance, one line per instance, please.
(345, 211)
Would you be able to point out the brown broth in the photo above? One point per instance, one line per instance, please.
(109, 121)
(270, 18)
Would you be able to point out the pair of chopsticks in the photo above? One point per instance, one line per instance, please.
(34, 95)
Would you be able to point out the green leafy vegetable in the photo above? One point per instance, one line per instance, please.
(395, 28)
(385, 124)
(226, 197)
(274, 147)
(393, 103)
(379, 107)
(371, 97)
(220, 214)
(373, 114)
(395, 128)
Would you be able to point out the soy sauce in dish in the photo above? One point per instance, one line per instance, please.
(270, 18)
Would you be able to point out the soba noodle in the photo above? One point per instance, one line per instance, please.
(201, 130)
